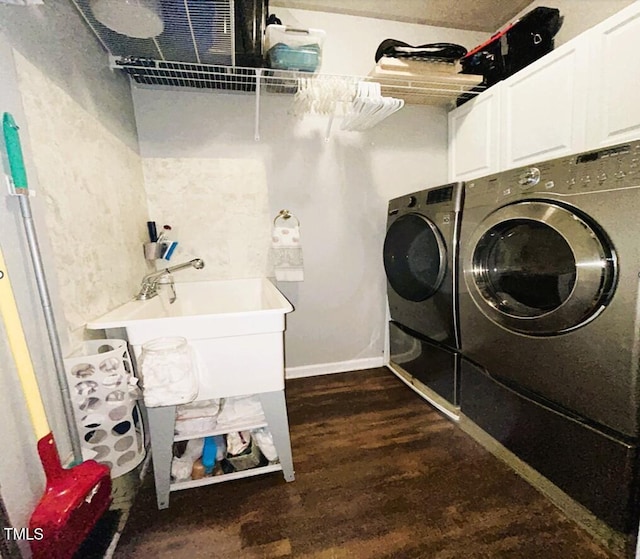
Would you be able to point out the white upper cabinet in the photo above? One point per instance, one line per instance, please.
(543, 107)
(614, 79)
(581, 96)
(474, 137)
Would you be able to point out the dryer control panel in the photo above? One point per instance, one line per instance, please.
(610, 168)
(605, 169)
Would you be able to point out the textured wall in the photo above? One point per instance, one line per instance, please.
(54, 38)
(219, 211)
(96, 207)
(21, 476)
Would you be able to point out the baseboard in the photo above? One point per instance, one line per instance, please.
(330, 368)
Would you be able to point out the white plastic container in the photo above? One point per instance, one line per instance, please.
(168, 370)
(289, 48)
(103, 393)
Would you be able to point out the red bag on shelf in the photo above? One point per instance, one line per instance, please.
(515, 46)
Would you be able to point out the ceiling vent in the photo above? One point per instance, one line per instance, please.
(218, 32)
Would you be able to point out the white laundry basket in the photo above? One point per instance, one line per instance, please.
(107, 415)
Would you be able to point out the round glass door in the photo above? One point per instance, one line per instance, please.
(414, 257)
(539, 268)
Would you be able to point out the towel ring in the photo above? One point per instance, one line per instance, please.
(286, 214)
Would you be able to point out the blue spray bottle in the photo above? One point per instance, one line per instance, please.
(209, 452)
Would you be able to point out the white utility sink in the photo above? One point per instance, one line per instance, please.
(235, 326)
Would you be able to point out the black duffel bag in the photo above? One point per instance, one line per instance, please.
(515, 47)
(441, 52)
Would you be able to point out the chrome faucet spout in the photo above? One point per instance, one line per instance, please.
(196, 263)
(148, 289)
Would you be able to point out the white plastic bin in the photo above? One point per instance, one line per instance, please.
(107, 415)
(289, 48)
(168, 370)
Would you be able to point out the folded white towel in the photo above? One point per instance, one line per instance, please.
(240, 410)
(284, 237)
(287, 251)
(290, 274)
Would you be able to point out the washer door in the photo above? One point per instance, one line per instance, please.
(540, 268)
(414, 257)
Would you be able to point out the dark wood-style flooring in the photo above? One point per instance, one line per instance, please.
(379, 475)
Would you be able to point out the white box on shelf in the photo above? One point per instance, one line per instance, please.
(290, 48)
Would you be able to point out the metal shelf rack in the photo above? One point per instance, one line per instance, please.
(196, 49)
(440, 90)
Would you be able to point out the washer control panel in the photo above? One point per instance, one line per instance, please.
(431, 200)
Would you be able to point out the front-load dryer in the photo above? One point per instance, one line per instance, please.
(550, 317)
(420, 261)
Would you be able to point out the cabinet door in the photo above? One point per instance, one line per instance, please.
(544, 107)
(474, 135)
(614, 84)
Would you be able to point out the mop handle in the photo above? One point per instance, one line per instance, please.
(19, 177)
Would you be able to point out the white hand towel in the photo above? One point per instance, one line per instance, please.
(287, 251)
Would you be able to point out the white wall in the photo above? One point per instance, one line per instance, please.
(338, 189)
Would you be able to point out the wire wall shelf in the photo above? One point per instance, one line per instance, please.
(321, 93)
(218, 45)
(439, 90)
(202, 76)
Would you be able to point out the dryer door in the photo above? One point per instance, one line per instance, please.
(415, 258)
(540, 268)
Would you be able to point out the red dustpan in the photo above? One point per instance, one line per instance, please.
(74, 499)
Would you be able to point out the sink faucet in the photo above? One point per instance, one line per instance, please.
(149, 286)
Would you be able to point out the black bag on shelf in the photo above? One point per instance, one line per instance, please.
(515, 47)
(441, 52)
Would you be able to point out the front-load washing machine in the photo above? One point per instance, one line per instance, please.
(420, 261)
(550, 321)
